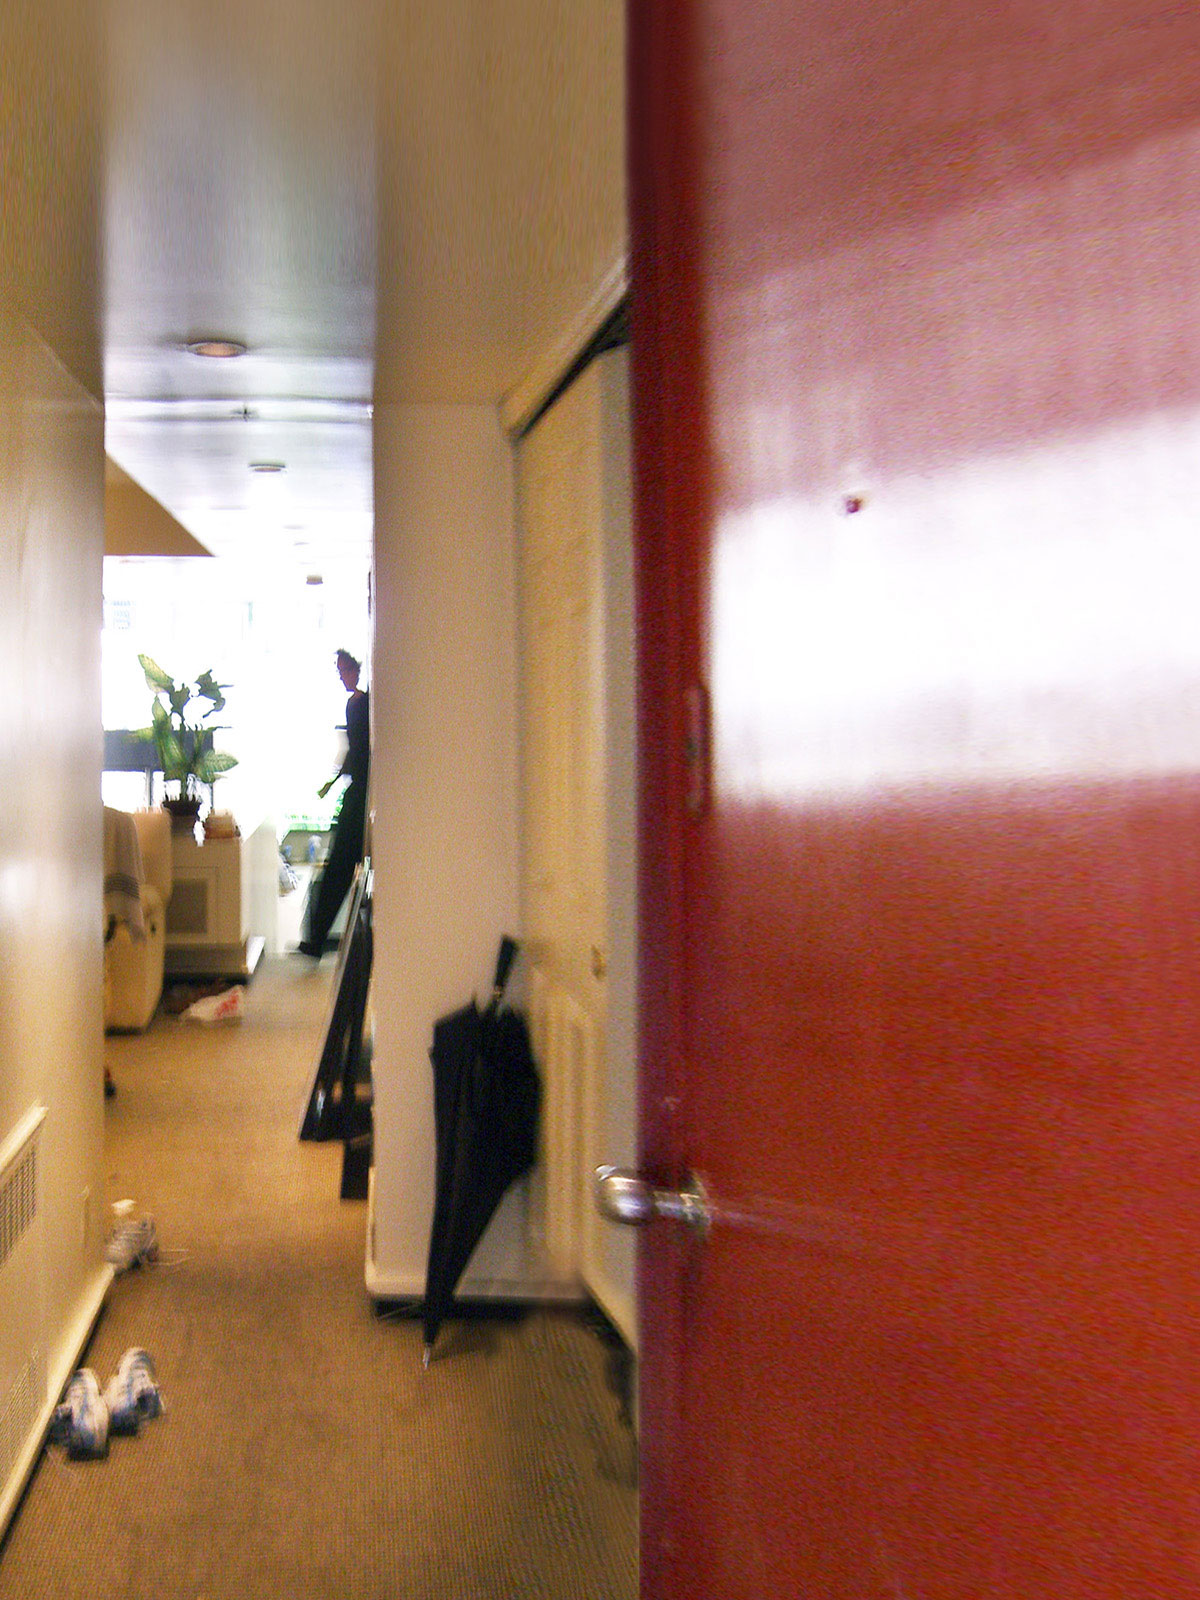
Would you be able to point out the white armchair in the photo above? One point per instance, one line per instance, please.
(133, 968)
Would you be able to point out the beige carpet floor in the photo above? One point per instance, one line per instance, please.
(304, 1452)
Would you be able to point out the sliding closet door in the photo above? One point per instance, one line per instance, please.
(578, 811)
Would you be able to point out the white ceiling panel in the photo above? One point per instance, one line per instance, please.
(201, 467)
(387, 199)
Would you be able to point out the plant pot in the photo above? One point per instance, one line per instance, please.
(183, 814)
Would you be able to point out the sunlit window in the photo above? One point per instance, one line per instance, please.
(272, 639)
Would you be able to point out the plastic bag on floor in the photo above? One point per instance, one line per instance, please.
(225, 1007)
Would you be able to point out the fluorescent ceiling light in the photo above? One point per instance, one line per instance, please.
(217, 349)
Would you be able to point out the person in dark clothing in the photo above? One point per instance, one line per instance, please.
(349, 827)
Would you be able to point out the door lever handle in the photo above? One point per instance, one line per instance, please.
(628, 1198)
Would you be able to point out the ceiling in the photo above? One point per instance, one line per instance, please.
(384, 201)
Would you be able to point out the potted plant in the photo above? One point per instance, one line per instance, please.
(185, 749)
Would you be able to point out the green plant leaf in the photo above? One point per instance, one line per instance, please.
(156, 678)
(171, 756)
(212, 765)
(185, 750)
(208, 687)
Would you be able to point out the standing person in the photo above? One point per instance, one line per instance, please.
(349, 826)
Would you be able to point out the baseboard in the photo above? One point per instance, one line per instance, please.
(542, 1289)
(234, 961)
(69, 1351)
(530, 1291)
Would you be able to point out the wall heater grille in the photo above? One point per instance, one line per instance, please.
(22, 1357)
(18, 1199)
(22, 1407)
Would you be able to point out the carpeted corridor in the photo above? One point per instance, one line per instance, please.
(304, 1453)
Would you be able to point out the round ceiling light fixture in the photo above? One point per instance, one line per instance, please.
(216, 349)
(267, 466)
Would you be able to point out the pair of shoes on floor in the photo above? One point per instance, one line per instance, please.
(131, 1243)
(86, 1417)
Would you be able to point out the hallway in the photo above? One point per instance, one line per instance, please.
(303, 1450)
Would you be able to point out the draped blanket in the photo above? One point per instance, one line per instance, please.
(122, 875)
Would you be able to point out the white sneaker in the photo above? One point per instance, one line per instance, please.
(132, 1243)
(132, 1395)
(81, 1421)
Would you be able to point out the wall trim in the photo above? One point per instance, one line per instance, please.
(382, 1285)
(525, 1291)
(524, 399)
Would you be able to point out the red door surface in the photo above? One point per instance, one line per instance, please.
(916, 338)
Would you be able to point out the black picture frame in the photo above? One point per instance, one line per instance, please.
(332, 1108)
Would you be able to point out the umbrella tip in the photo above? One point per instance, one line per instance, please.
(426, 1355)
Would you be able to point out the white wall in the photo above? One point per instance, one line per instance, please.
(501, 214)
(51, 549)
(501, 188)
(444, 796)
(51, 978)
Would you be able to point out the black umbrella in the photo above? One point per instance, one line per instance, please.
(486, 1100)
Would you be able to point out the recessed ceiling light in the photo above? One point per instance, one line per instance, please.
(267, 466)
(217, 349)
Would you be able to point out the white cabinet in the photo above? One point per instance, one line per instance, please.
(221, 913)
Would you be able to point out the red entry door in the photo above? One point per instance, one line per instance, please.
(917, 416)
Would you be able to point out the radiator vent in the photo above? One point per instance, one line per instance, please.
(564, 1043)
(18, 1199)
(22, 1336)
(20, 1412)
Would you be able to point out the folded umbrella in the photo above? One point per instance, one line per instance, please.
(487, 1097)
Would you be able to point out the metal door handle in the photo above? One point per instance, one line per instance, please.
(629, 1198)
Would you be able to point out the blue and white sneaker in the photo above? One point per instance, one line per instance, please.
(81, 1420)
(132, 1395)
(131, 1243)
